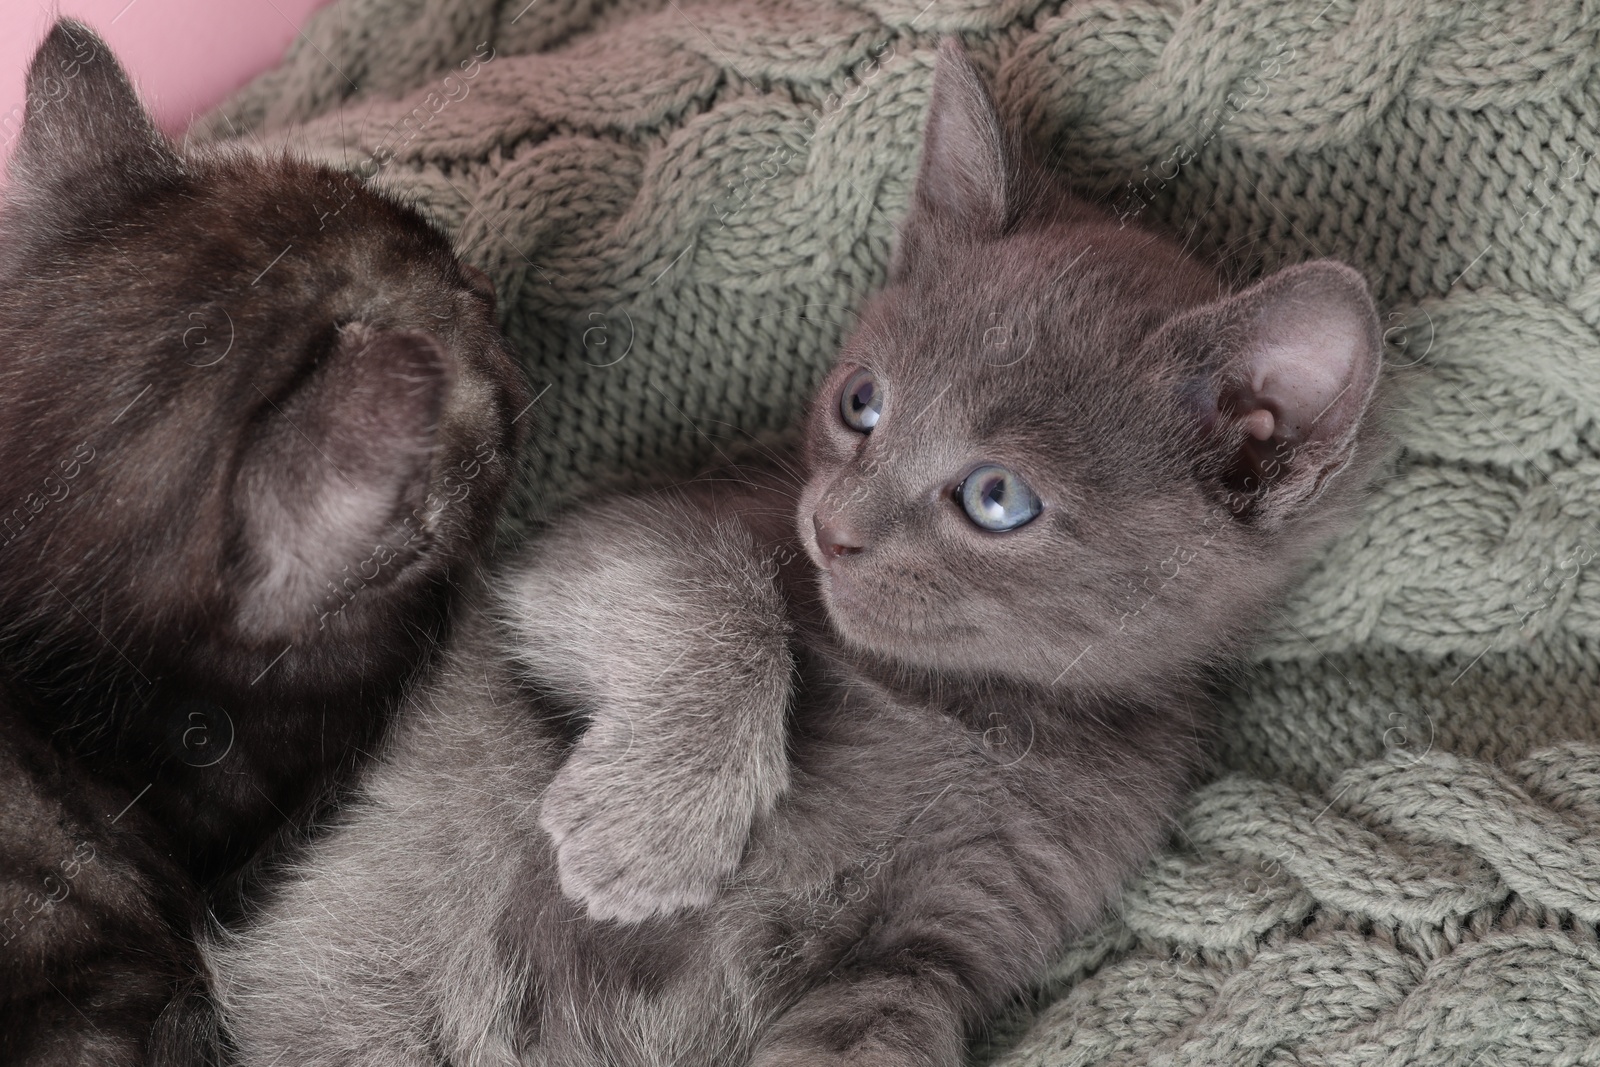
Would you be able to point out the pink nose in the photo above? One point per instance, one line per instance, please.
(835, 538)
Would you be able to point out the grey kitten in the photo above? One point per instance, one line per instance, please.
(850, 762)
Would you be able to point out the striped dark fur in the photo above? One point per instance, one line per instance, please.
(256, 421)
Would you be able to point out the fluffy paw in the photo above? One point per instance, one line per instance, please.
(634, 841)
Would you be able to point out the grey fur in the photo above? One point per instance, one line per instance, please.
(985, 733)
(695, 634)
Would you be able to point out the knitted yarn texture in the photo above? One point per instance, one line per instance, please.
(681, 202)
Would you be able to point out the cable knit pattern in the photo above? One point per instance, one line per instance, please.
(1435, 908)
(683, 200)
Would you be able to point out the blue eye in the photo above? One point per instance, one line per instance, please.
(862, 402)
(996, 499)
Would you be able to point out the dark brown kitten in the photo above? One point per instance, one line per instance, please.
(96, 919)
(862, 748)
(256, 423)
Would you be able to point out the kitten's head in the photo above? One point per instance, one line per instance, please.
(1062, 452)
(247, 407)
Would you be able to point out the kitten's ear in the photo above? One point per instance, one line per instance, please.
(84, 128)
(967, 170)
(1290, 367)
(333, 488)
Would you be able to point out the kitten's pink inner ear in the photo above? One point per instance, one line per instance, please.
(1307, 360)
(1307, 355)
(1292, 362)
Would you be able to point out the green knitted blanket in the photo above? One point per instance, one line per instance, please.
(682, 201)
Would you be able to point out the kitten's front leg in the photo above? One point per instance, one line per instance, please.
(668, 626)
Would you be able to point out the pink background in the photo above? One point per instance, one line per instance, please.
(184, 55)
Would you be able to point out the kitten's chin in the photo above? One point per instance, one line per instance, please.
(849, 617)
(933, 643)
(863, 624)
